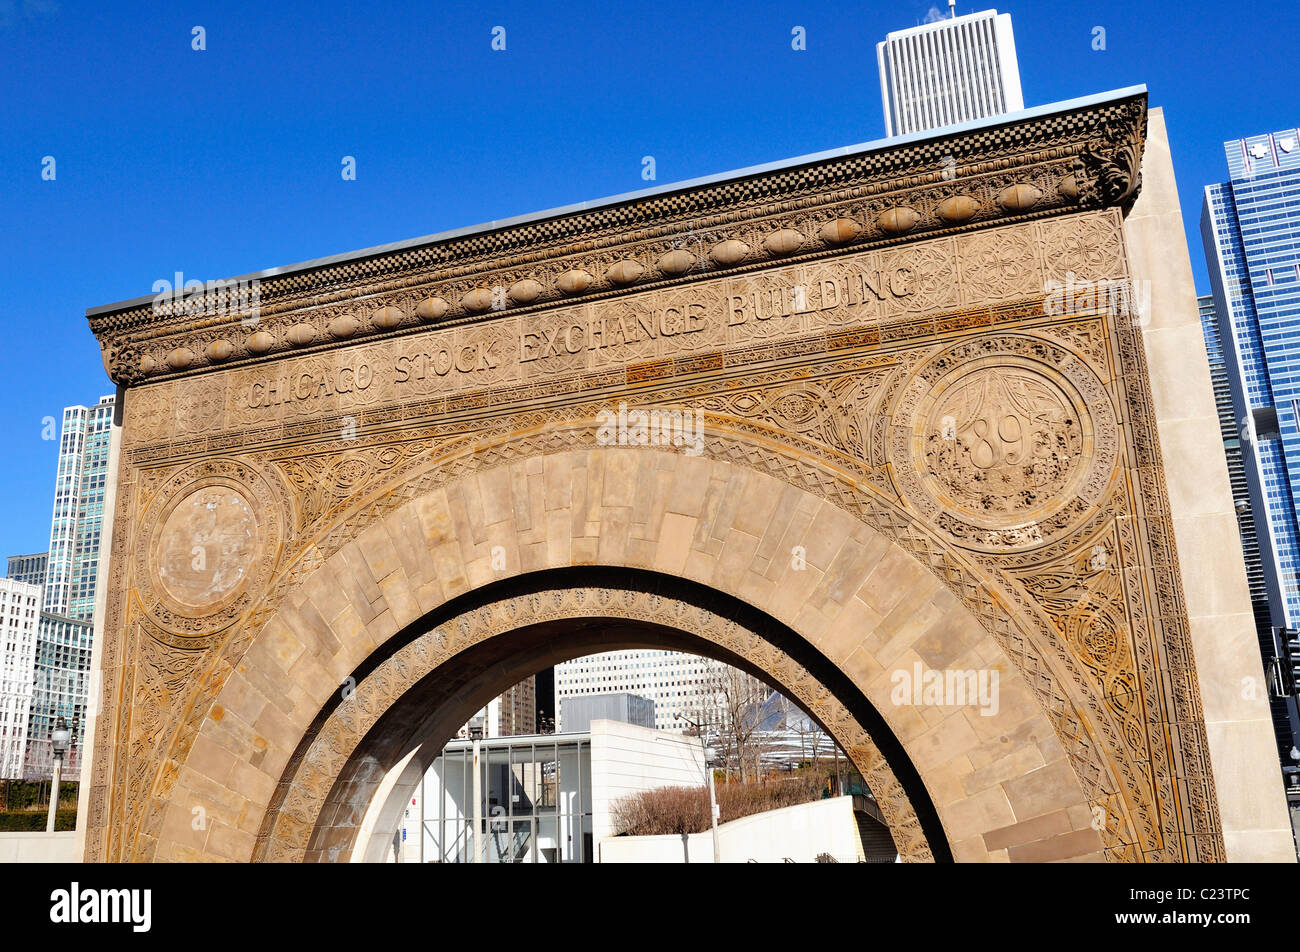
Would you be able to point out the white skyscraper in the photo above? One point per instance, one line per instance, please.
(675, 682)
(78, 510)
(948, 72)
(20, 608)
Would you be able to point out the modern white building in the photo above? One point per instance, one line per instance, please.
(949, 72)
(544, 798)
(675, 682)
(20, 609)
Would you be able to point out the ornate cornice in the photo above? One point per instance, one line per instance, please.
(1083, 157)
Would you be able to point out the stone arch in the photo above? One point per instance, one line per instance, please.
(998, 783)
(434, 680)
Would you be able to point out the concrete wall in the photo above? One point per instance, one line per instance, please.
(626, 759)
(1248, 780)
(40, 847)
(799, 833)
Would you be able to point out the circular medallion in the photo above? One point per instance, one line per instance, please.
(1001, 443)
(208, 542)
(1005, 450)
(206, 547)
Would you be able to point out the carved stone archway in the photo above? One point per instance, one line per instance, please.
(859, 359)
(424, 691)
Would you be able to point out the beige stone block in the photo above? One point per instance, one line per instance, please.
(894, 576)
(1028, 831)
(848, 628)
(793, 591)
(323, 590)
(434, 516)
(241, 698)
(1015, 761)
(278, 729)
(699, 566)
(1229, 647)
(1186, 397)
(1065, 846)
(690, 483)
(650, 501)
(1202, 544)
(850, 567)
(532, 557)
(210, 760)
(429, 595)
(830, 529)
(559, 545)
(620, 482)
(496, 495)
(1258, 846)
(521, 503)
(612, 546)
(810, 623)
(1012, 704)
(734, 562)
(377, 549)
(756, 588)
(795, 537)
(354, 577)
(970, 850)
(178, 824)
(762, 496)
(254, 785)
(731, 497)
(402, 603)
(777, 524)
(407, 535)
(950, 738)
(276, 644)
(861, 667)
(230, 843)
(989, 810)
(1050, 787)
(1240, 750)
(585, 551)
(908, 622)
(449, 569)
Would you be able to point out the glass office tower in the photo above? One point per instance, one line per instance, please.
(1250, 226)
(78, 510)
(64, 636)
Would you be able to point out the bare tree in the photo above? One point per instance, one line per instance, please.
(730, 712)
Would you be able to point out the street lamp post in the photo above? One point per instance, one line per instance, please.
(476, 734)
(713, 798)
(59, 741)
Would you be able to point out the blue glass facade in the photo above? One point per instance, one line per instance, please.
(1250, 226)
(64, 636)
(77, 523)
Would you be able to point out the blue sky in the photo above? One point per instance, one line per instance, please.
(226, 161)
